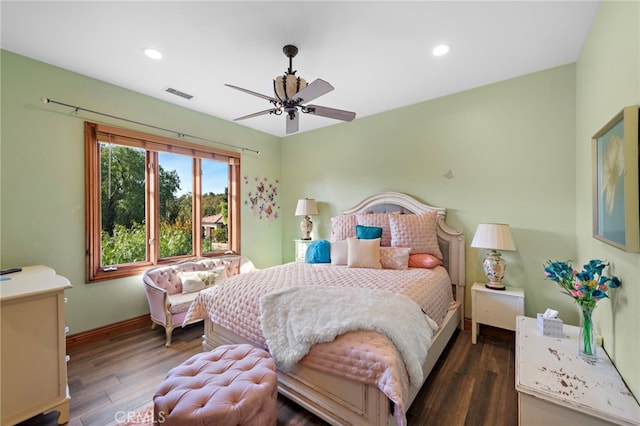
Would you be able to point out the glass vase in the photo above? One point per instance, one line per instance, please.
(587, 339)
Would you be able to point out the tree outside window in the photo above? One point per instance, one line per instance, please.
(146, 206)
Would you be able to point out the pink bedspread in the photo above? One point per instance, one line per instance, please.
(365, 356)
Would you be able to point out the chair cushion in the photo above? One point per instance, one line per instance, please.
(230, 385)
(180, 302)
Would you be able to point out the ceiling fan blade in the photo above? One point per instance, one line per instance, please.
(316, 89)
(337, 114)
(255, 114)
(292, 123)
(260, 95)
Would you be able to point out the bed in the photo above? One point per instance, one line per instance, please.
(363, 377)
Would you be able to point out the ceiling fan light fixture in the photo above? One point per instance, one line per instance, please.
(291, 95)
(286, 86)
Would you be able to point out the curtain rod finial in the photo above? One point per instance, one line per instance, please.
(45, 100)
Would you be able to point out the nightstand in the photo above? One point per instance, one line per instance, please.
(498, 308)
(301, 249)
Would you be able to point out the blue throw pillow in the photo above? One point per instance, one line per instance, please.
(368, 232)
(318, 252)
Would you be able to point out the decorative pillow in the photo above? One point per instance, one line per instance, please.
(193, 281)
(424, 260)
(343, 227)
(417, 231)
(363, 253)
(318, 252)
(216, 275)
(380, 220)
(339, 252)
(368, 232)
(394, 257)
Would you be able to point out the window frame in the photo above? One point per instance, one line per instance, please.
(152, 144)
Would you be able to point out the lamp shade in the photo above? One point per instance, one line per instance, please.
(493, 236)
(288, 85)
(306, 207)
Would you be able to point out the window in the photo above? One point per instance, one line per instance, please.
(151, 199)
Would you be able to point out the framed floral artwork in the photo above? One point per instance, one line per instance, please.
(616, 197)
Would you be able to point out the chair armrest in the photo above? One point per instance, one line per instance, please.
(246, 265)
(158, 302)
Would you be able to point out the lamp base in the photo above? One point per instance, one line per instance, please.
(306, 226)
(495, 286)
(494, 266)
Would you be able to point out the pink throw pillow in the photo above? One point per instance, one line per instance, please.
(394, 257)
(424, 260)
(343, 227)
(418, 231)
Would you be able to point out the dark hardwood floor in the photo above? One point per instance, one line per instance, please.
(470, 385)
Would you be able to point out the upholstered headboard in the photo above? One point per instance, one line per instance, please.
(451, 241)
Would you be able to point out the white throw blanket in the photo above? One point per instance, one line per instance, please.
(295, 318)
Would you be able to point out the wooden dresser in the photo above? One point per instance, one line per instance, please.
(33, 366)
(555, 387)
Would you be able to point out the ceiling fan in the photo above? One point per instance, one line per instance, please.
(291, 92)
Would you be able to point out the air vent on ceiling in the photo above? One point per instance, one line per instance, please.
(178, 93)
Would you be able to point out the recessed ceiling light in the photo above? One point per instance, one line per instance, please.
(441, 50)
(152, 53)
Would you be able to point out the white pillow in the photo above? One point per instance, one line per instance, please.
(417, 231)
(339, 252)
(364, 253)
(193, 281)
(215, 276)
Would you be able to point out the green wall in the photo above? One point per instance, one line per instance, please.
(518, 151)
(510, 149)
(608, 79)
(42, 179)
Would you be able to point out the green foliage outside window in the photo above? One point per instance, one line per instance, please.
(176, 239)
(123, 209)
(126, 245)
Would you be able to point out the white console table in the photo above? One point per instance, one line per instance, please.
(33, 366)
(555, 387)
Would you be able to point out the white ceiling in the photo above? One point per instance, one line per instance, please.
(377, 54)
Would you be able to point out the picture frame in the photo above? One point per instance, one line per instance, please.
(616, 196)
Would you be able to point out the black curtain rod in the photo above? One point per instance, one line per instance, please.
(180, 134)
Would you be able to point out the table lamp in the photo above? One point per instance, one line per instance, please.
(494, 236)
(306, 208)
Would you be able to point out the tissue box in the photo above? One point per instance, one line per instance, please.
(549, 326)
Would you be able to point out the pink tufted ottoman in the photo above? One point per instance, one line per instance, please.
(230, 385)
